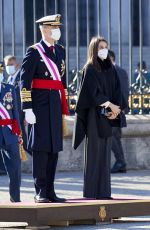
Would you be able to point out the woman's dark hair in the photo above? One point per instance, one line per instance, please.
(112, 55)
(93, 51)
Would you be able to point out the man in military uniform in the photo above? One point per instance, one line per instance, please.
(43, 100)
(9, 132)
(13, 71)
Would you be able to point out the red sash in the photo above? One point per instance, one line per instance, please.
(51, 84)
(13, 123)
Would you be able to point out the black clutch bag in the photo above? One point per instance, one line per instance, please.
(103, 111)
(119, 121)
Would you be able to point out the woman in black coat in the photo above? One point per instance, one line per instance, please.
(97, 109)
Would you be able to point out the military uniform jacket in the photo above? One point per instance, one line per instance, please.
(16, 84)
(9, 101)
(46, 134)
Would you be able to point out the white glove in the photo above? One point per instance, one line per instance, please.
(30, 116)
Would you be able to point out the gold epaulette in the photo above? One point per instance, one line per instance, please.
(62, 46)
(33, 46)
(25, 95)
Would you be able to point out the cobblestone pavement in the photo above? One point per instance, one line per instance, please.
(133, 184)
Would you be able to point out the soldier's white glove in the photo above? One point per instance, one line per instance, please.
(30, 116)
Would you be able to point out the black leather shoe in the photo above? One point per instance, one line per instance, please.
(119, 168)
(39, 199)
(56, 199)
(14, 201)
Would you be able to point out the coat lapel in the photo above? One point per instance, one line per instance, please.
(48, 53)
(57, 52)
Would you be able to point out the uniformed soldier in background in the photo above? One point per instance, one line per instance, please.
(13, 71)
(9, 132)
(117, 148)
(43, 100)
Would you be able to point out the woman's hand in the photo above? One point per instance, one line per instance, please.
(115, 109)
(111, 116)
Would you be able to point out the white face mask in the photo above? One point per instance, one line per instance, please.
(1, 77)
(102, 53)
(10, 69)
(55, 34)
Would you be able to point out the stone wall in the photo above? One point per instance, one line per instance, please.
(135, 140)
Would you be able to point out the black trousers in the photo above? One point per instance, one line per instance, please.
(97, 182)
(12, 162)
(2, 168)
(117, 145)
(44, 169)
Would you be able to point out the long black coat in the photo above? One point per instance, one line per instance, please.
(96, 89)
(46, 104)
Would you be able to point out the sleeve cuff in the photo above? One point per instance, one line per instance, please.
(26, 105)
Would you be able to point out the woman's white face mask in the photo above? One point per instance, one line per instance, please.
(10, 69)
(1, 77)
(55, 34)
(102, 53)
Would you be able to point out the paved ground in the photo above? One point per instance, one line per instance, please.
(134, 184)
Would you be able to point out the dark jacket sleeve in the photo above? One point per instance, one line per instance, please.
(125, 89)
(17, 90)
(116, 99)
(27, 72)
(15, 106)
(63, 68)
(124, 84)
